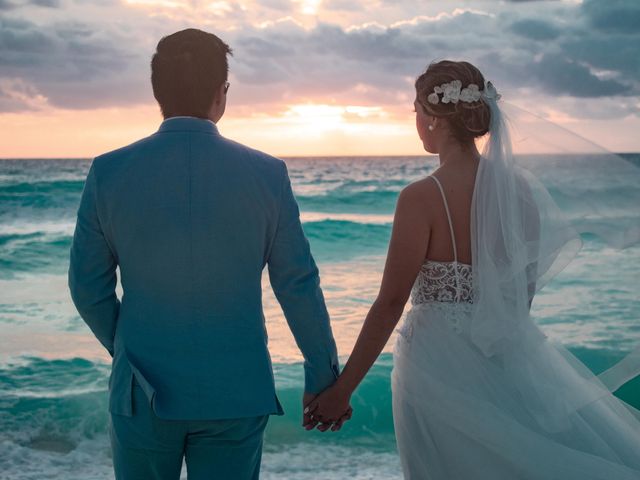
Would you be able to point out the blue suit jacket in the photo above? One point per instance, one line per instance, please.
(191, 219)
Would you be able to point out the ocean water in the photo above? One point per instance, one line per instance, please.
(53, 373)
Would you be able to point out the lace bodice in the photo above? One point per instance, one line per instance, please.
(437, 282)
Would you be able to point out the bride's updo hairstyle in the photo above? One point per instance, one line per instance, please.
(467, 120)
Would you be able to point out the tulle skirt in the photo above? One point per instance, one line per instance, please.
(534, 413)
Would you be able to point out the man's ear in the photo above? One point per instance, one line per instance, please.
(219, 94)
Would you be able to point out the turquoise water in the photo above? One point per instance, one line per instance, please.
(53, 374)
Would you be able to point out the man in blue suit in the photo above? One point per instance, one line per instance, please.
(191, 219)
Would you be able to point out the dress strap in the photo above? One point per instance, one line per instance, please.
(453, 239)
(446, 207)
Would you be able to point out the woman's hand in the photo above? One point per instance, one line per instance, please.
(330, 409)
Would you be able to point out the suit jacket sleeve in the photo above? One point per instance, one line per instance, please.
(92, 269)
(296, 284)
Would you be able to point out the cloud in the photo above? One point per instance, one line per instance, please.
(45, 3)
(72, 64)
(17, 95)
(607, 43)
(21, 43)
(279, 5)
(562, 76)
(330, 59)
(346, 5)
(621, 16)
(82, 59)
(12, 4)
(535, 29)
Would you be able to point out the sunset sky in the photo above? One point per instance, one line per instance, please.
(312, 77)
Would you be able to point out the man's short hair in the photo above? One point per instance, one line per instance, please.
(186, 71)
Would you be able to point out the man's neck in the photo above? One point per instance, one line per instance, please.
(189, 116)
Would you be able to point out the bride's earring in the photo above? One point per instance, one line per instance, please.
(430, 127)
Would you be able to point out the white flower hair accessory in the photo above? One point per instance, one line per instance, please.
(491, 93)
(453, 92)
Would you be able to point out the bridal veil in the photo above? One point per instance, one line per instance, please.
(521, 239)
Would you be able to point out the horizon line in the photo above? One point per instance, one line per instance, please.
(334, 156)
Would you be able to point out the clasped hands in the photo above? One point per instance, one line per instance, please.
(327, 410)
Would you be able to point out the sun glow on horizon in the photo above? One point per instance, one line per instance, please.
(310, 129)
(299, 129)
(315, 119)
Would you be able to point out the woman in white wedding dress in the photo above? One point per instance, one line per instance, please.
(478, 390)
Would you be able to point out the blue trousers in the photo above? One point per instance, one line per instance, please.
(146, 447)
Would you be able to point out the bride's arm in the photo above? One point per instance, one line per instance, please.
(407, 251)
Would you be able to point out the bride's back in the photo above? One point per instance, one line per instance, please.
(458, 185)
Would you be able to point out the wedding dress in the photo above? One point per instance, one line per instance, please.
(479, 392)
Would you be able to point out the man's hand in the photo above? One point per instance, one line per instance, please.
(328, 410)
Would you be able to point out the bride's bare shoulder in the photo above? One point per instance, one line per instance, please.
(419, 196)
(424, 190)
